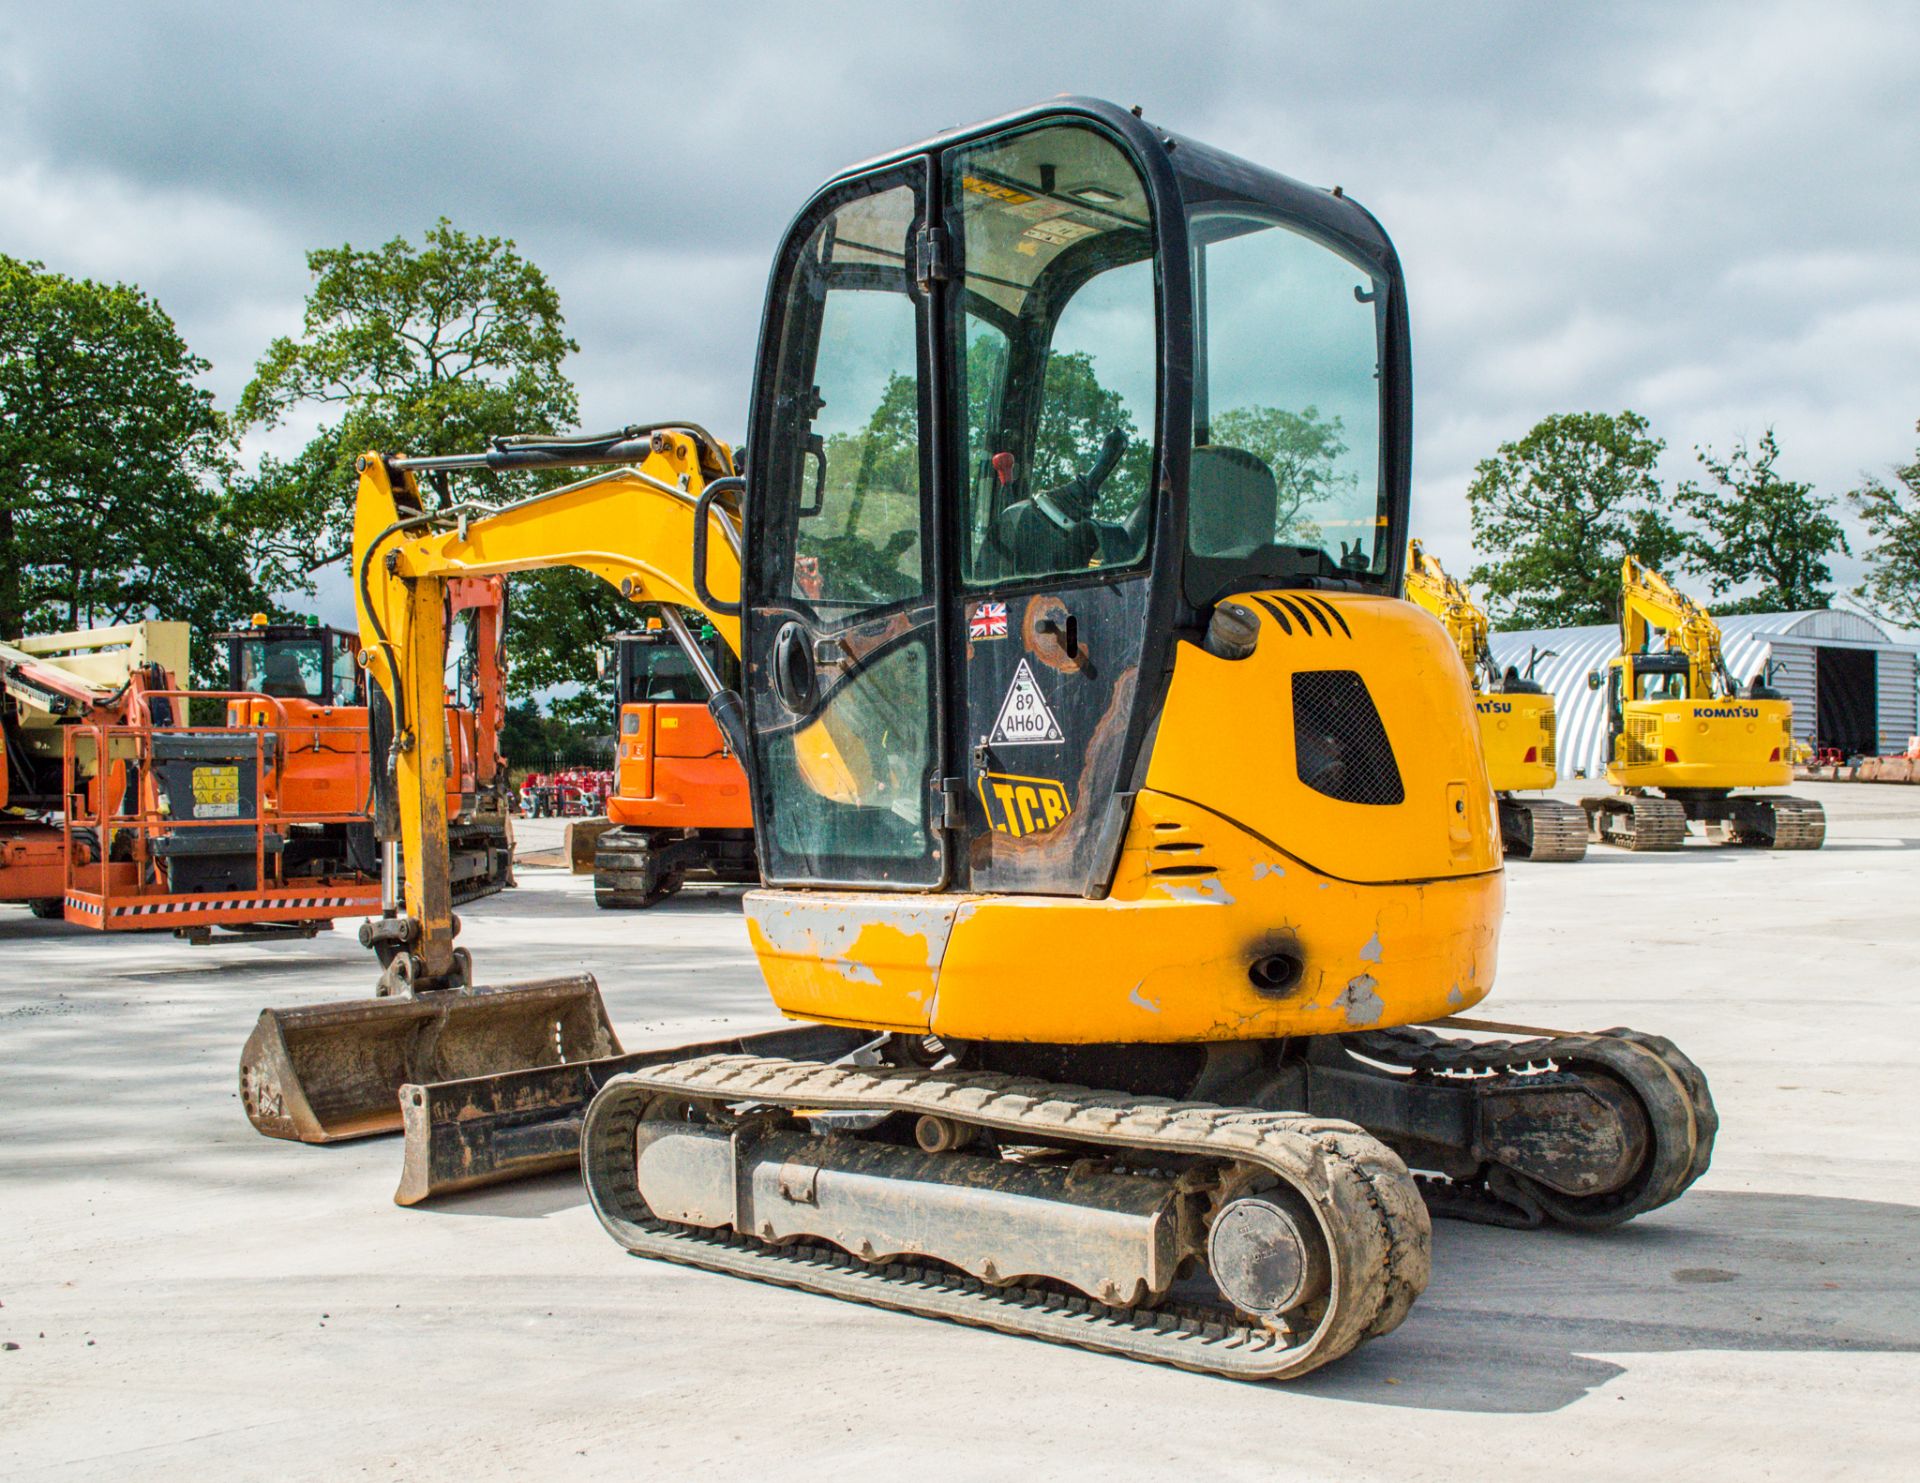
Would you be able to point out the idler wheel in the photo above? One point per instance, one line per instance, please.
(1266, 1254)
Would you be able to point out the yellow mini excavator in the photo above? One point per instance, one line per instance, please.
(1125, 840)
(1678, 722)
(1516, 722)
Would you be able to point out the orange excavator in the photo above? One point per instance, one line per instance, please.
(680, 807)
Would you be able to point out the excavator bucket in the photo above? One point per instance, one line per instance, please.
(327, 1072)
(485, 1130)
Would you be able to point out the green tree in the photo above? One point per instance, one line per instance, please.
(1302, 448)
(439, 348)
(435, 349)
(1891, 511)
(1557, 510)
(532, 742)
(1076, 414)
(1759, 527)
(111, 508)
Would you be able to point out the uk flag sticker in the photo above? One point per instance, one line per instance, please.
(989, 621)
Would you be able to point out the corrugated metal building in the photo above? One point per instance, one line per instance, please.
(1851, 681)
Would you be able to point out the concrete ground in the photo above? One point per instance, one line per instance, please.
(193, 1301)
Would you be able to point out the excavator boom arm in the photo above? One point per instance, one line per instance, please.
(1431, 587)
(1649, 601)
(633, 526)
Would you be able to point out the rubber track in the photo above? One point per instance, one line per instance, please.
(1652, 823)
(1544, 829)
(1670, 1087)
(621, 871)
(1370, 1207)
(1798, 823)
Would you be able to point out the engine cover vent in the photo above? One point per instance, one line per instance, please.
(1339, 746)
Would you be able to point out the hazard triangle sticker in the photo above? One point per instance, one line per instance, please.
(1025, 720)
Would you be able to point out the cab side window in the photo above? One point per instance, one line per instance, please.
(1060, 335)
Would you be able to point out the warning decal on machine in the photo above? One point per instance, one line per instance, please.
(216, 792)
(1025, 720)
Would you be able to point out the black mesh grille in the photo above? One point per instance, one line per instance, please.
(1339, 746)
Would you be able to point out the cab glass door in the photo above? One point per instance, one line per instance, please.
(1053, 333)
(844, 689)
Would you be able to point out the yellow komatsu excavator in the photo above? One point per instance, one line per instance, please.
(1126, 846)
(1682, 734)
(1516, 722)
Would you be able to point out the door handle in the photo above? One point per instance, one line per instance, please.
(1067, 634)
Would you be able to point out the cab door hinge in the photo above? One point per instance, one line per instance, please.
(933, 258)
(949, 803)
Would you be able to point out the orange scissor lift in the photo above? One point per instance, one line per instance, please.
(204, 827)
(262, 825)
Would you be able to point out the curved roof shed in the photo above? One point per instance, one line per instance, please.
(1851, 681)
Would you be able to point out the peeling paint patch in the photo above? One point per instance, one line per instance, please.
(1359, 1003)
(1264, 868)
(1142, 1001)
(827, 928)
(1208, 890)
(1371, 952)
(1455, 998)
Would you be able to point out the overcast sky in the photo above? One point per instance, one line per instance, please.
(1708, 213)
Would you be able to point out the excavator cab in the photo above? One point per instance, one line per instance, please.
(1031, 402)
(295, 661)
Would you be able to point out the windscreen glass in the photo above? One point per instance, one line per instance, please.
(288, 669)
(1286, 478)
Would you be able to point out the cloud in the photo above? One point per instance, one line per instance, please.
(1702, 212)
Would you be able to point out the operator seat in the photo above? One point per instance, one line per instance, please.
(1232, 501)
(283, 678)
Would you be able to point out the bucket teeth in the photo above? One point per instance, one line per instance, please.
(326, 1072)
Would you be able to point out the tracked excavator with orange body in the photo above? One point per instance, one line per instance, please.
(1516, 722)
(1683, 734)
(1126, 844)
(680, 806)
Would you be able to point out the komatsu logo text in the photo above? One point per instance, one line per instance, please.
(1728, 713)
(1493, 707)
(1021, 806)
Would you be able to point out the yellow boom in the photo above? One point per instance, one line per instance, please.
(633, 527)
(1516, 721)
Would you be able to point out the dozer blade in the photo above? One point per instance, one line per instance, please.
(491, 1129)
(326, 1072)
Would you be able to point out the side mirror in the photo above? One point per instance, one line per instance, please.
(600, 662)
(1593, 679)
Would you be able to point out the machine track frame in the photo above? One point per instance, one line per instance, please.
(1669, 1087)
(1772, 821)
(1369, 1210)
(1542, 829)
(635, 868)
(1636, 821)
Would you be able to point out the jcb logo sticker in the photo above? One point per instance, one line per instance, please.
(1020, 806)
